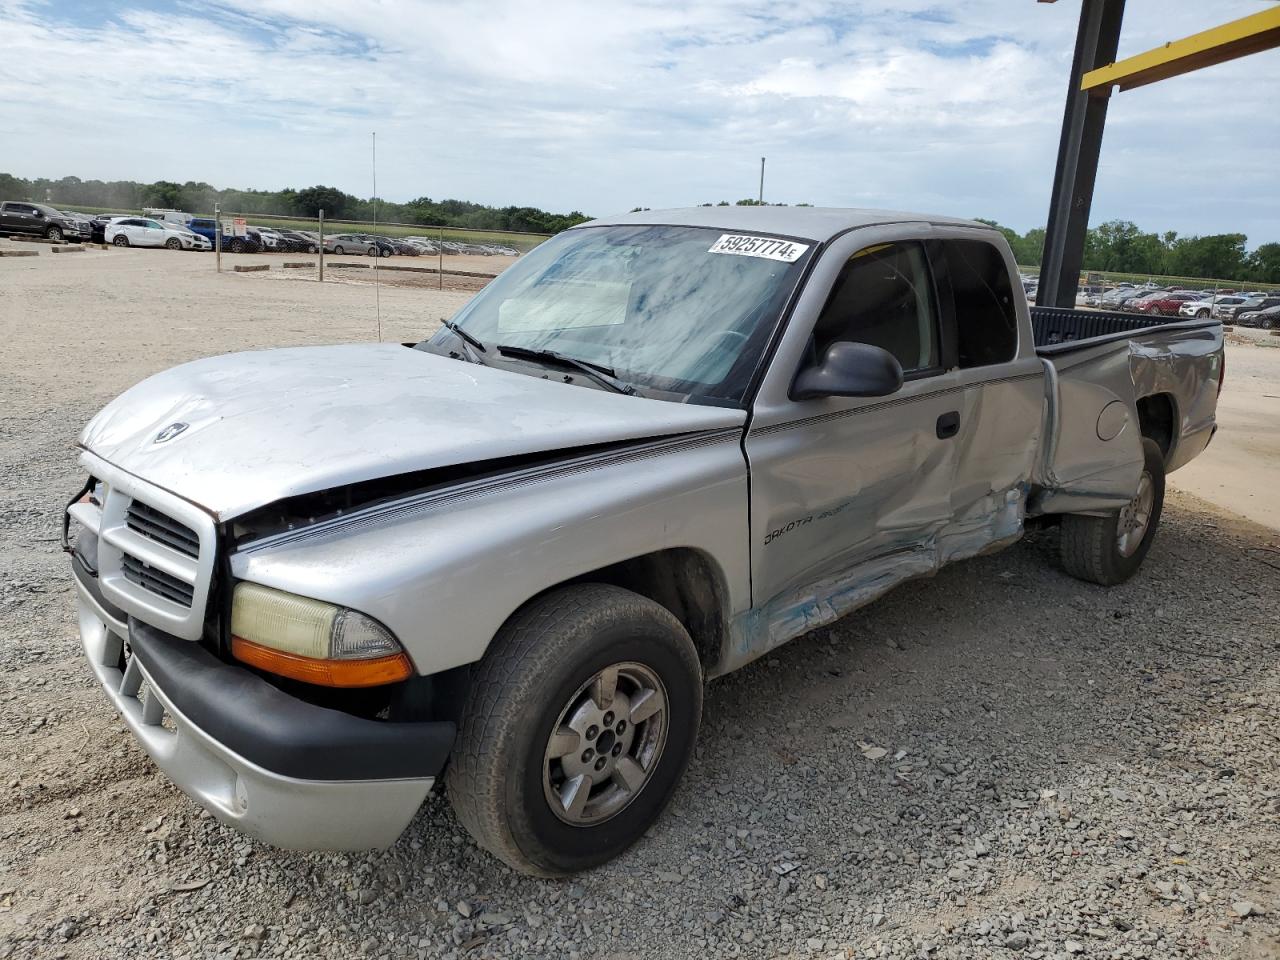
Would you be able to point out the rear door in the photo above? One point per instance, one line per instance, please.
(21, 218)
(848, 495)
(999, 392)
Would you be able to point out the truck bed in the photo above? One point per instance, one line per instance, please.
(1059, 330)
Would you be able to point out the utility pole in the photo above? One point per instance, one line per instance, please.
(217, 235)
(761, 197)
(321, 244)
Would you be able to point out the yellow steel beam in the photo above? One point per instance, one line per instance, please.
(1258, 31)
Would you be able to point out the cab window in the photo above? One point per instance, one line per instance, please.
(986, 322)
(884, 297)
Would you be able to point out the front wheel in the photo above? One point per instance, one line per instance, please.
(1267, 323)
(54, 233)
(173, 243)
(372, 252)
(1109, 550)
(580, 721)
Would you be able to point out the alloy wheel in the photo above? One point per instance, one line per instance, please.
(606, 744)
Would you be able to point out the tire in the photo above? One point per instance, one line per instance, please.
(371, 252)
(338, 250)
(173, 243)
(120, 240)
(313, 249)
(384, 252)
(53, 233)
(1266, 323)
(1091, 547)
(1202, 314)
(237, 246)
(506, 784)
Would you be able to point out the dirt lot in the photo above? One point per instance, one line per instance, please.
(1071, 771)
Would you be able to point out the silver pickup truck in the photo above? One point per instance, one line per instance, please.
(318, 583)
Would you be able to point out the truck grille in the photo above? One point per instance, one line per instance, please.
(154, 525)
(157, 581)
(156, 551)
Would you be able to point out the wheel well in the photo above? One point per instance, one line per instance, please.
(1156, 419)
(686, 582)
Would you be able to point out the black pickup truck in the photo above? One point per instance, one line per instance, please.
(37, 219)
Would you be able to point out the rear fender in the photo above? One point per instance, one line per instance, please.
(1092, 455)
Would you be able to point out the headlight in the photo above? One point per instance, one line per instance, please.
(313, 641)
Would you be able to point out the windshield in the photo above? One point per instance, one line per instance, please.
(683, 311)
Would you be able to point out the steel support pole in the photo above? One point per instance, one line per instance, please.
(1097, 42)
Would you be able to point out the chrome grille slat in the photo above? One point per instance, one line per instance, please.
(150, 522)
(157, 581)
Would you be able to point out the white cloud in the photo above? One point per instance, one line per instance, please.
(601, 107)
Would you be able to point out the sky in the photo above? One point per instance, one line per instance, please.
(950, 108)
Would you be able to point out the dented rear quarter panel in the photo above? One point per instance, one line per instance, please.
(1087, 468)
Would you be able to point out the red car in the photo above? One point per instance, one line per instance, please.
(1167, 305)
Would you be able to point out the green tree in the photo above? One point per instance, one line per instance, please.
(310, 201)
(1264, 263)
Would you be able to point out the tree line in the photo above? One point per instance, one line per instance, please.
(1118, 245)
(199, 198)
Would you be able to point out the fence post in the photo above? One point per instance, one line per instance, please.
(440, 261)
(322, 245)
(217, 235)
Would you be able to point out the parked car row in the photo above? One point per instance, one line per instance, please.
(1229, 306)
(374, 245)
(178, 230)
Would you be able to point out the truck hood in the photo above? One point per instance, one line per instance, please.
(271, 424)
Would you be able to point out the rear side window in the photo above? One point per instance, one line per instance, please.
(884, 297)
(986, 321)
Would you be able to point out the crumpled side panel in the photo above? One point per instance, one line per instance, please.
(990, 523)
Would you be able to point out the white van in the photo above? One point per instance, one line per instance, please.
(168, 216)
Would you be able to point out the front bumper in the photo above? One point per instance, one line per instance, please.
(314, 779)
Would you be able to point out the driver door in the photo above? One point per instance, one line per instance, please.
(849, 494)
(151, 233)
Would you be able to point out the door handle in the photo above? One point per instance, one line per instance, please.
(948, 425)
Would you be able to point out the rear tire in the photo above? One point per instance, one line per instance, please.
(120, 240)
(537, 778)
(1109, 550)
(372, 252)
(338, 251)
(237, 246)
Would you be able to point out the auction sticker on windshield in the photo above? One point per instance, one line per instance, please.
(767, 248)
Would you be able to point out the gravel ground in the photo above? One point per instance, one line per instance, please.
(997, 762)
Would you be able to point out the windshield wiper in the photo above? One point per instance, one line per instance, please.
(469, 342)
(596, 371)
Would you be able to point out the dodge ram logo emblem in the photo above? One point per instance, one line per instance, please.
(171, 431)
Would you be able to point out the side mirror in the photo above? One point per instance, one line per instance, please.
(850, 370)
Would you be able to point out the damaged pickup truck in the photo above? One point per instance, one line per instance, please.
(319, 582)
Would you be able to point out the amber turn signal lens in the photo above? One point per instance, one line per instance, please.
(371, 672)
